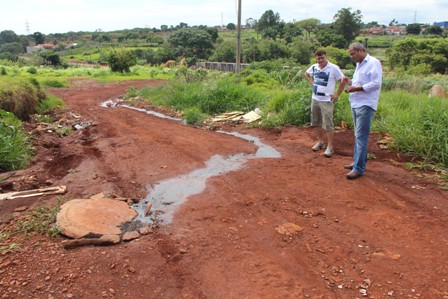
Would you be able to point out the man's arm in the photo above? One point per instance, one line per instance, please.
(309, 79)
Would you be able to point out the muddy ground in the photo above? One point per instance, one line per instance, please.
(288, 227)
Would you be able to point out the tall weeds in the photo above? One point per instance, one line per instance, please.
(418, 124)
(15, 149)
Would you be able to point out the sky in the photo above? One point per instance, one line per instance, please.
(56, 16)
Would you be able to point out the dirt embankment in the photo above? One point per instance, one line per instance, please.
(288, 227)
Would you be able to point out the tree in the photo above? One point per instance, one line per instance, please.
(189, 42)
(9, 56)
(348, 24)
(154, 38)
(121, 61)
(251, 23)
(291, 30)
(414, 29)
(400, 53)
(51, 58)
(393, 23)
(270, 25)
(213, 33)
(372, 24)
(39, 38)
(231, 26)
(13, 48)
(434, 29)
(225, 52)
(309, 25)
(8, 36)
(330, 38)
(302, 51)
(251, 51)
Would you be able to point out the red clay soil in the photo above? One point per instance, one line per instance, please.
(383, 235)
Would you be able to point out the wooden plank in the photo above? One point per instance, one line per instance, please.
(34, 192)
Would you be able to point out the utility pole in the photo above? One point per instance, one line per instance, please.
(238, 40)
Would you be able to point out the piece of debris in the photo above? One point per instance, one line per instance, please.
(70, 244)
(238, 116)
(21, 209)
(32, 193)
(81, 126)
(384, 143)
(251, 116)
(148, 209)
(289, 229)
(128, 236)
(228, 116)
(145, 230)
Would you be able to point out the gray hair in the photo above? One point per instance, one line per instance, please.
(357, 46)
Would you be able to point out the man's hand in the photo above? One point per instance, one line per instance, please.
(334, 97)
(346, 80)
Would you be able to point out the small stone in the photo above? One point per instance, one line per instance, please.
(145, 230)
(21, 209)
(131, 236)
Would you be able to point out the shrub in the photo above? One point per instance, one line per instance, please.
(20, 96)
(194, 116)
(121, 61)
(15, 149)
(32, 70)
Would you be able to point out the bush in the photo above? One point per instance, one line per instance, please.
(51, 102)
(121, 61)
(20, 96)
(15, 150)
(194, 116)
(32, 70)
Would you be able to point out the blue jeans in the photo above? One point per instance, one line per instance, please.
(362, 119)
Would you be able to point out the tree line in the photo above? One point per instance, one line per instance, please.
(274, 39)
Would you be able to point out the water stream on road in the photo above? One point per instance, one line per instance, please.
(168, 195)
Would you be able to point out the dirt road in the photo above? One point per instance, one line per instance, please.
(288, 227)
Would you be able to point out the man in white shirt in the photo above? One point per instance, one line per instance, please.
(323, 76)
(364, 89)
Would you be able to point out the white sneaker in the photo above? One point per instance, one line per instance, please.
(318, 146)
(329, 152)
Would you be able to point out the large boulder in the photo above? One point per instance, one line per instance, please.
(79, 218)
(438, 91)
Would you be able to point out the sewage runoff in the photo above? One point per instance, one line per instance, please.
(167, 195)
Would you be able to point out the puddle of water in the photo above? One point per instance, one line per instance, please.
(168, 195)
(116, 103)
(264, 151)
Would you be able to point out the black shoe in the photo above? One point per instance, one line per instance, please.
(353, 175)
(350, 167)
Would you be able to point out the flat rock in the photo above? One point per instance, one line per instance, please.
(98, 216)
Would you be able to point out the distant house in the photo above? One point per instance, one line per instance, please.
(444, 25)
(40, 47)
(374, 31)
(382, 30)
(394, 30)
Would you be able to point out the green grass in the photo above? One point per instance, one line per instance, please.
(418, 124)
(40, 220)
(15, 148)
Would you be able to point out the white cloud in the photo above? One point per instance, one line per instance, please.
(54, 16)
